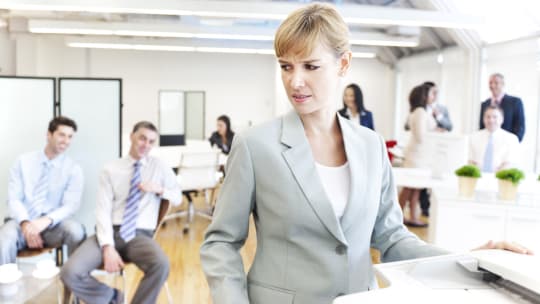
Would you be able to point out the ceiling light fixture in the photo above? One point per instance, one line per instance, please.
(177, 48)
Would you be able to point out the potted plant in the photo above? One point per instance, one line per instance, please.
(508, 183)
(468, 175)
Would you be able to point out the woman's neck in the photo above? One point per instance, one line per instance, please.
(320, 122)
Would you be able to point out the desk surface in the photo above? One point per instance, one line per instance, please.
(28, 287)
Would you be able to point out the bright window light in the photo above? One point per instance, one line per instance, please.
(504, 20)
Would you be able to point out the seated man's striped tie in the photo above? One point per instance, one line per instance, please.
(131, 212)
(41, 190)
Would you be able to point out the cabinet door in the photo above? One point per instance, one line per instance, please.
(463, 226)
(524, 227)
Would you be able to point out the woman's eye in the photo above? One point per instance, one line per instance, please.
(285, 67)
(312, 67)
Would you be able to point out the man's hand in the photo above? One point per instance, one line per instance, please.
(510, 246)
(151, 187)
(31, 232)
(112, 261)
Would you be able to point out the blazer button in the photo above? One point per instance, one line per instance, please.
(341, 249)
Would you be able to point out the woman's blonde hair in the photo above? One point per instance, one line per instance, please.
(310, 26)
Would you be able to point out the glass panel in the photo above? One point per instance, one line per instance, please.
(171, 112)
(27, 107)
(95, 106)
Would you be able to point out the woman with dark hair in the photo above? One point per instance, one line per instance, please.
(222, 138)
(353, 107)
(420, 123)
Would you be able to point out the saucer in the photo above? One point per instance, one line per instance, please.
(45, 273)
(13, 277)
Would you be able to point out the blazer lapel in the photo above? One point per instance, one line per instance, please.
(302, 165)
(356, 156)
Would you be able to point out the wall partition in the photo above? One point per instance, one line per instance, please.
(27, 104)
(95, 104)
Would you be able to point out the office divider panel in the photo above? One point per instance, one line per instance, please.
(26, 107)
(195, 115)
(95, 104)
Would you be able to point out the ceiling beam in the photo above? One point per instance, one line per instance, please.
(352, 13)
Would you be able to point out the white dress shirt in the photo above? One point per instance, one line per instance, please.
(114, 184)
(505, 148)
(64, 187)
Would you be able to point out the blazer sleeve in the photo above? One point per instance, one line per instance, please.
(220, 257)
(389, 235)
(482, 109)
(444, 122)
(369, 120)
(518, 121)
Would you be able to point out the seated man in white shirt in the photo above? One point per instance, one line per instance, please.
(129, 196)
(492, 148)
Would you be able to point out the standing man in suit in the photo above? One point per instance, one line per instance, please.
(129, 196)
(514, 116)
(44, 191)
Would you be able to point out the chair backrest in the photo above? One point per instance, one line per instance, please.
(198, 170)
(164, 207)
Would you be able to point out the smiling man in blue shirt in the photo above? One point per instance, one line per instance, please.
(44, 190)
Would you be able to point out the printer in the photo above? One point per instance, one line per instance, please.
(482, 276)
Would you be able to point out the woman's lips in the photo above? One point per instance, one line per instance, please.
(300, 98)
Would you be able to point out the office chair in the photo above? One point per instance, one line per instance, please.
(198, 171)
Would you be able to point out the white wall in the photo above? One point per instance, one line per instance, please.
(451, 76)
(7, 54)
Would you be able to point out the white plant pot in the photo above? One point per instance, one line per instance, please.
(467, 185)
(507, 190)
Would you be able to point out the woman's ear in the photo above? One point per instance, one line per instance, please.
(345, 63)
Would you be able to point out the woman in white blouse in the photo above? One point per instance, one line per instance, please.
(420, 123)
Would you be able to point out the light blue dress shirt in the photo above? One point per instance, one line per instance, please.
(65, 187)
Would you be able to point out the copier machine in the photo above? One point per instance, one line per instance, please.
(482, 277)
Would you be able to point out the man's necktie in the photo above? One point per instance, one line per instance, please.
(488, 155)
(129, 222)
(41, 190)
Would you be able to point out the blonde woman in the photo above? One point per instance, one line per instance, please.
(319, 187)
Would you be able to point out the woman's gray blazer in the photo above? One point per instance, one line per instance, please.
(304, 255)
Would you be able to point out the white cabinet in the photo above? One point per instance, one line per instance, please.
(461, 225)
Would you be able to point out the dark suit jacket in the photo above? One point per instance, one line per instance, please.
(514, 117)
(366, 118)
(215, 139)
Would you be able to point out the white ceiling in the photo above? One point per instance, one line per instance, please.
(389, 29)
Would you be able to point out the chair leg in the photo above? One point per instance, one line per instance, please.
(123, 274)
(169, 297)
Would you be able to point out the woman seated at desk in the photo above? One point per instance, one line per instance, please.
(222, 138)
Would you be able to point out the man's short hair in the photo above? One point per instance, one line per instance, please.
(498, 75)
(61, 121)
(144, 124)
(497, 108)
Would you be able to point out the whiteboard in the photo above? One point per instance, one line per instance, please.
(27, 105)
(95, 104)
